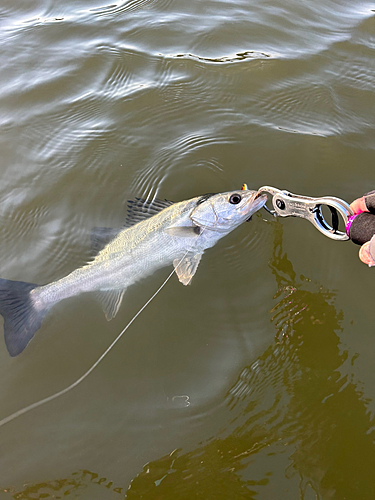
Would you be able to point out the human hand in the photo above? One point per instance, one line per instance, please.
(365, 205)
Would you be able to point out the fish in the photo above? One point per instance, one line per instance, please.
(157, 234)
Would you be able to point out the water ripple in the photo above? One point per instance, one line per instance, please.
(241, 56)
(129, 6)
(103, 102)
(149, 178)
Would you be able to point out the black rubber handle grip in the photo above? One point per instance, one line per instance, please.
(362, 228)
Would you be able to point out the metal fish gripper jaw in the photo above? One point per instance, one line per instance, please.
(286, 204)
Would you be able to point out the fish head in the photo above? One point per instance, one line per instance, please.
(225, 211)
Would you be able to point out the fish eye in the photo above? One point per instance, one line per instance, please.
(235, 199)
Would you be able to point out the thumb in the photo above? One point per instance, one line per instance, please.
(365, 256)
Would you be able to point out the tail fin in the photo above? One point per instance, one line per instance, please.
(21, 319)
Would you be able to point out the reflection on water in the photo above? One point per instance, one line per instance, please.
(80, 482)
(104, 101)
(288, 401)
(291, 406)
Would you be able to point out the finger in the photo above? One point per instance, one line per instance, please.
(365, 256)
(358, 206)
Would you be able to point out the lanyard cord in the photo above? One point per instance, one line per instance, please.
(41, 402)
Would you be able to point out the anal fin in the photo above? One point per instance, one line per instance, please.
(110, 301)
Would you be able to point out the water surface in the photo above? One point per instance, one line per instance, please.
(257, 381)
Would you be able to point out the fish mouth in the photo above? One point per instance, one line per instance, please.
(256, 203)
(259, 194)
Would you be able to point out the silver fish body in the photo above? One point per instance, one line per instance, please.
(176, 234)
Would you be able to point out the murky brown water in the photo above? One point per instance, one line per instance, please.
(258, 380)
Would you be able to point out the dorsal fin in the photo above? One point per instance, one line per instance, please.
(101, 236)
(138, 210)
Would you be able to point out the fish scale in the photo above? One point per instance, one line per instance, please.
(161, 233)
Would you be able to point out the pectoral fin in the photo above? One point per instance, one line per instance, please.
(187, 267)
(183, 231)
(110, 301)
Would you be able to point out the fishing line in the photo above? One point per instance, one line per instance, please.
(86, 374)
